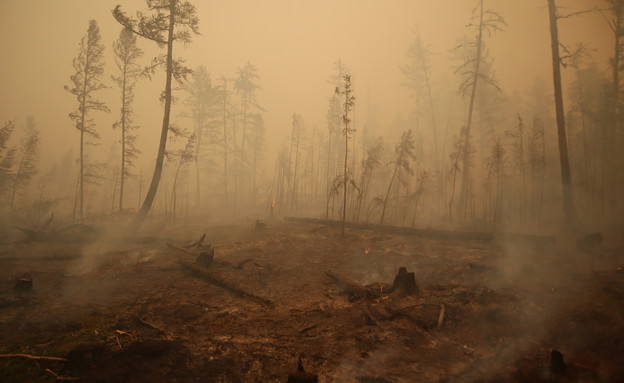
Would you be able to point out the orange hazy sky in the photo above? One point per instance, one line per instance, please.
(292, 42)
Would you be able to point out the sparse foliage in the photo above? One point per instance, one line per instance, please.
(85, 82)
(168, 21)
(126, 55)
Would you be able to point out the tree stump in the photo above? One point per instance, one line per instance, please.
(206, 257)
(404, 283)
(557, 365)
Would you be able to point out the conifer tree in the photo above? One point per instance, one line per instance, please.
(85, 82)
(168, 21)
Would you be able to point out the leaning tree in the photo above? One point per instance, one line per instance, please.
(166, 23)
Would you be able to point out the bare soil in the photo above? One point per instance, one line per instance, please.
(487, 311)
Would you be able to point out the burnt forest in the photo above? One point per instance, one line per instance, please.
(282, 191)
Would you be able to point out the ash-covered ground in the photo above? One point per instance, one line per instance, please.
(145, 310)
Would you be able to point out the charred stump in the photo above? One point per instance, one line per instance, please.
(404, 283)
(206, 257)
(301, 376)
(557, 364)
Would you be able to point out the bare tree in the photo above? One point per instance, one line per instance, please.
(183, 156)
(616, 138)
(245, 85)
(201, 101)
(27, 166)
(405, 153)
(257, 142)
(126, 56)
(417, 72)
(347, 132)
(169, 21)
(494, 180)
(224, 95)
(296, 138)
(486, 22)
(566, 176)
(7, 156)
(88, 66)
(333, 129)
(418, 194)
(537, 163)
(372, 161)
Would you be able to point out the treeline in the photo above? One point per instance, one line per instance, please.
(217, 146)
(493, 163)
(470, 155)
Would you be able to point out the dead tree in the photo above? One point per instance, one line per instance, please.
(488, 22)
(347, 132)
(566, 177)
(405, 154)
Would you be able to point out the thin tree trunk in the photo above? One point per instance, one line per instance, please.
(16, 182)
(466, 170)
(225, 146)
(123, 139)
(346, 158)
(566, 177)
(383, 210)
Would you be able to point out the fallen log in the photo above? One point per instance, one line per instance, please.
(546, 242)
(350, 287)
(219, 281)
(61, 378)
(183, 249)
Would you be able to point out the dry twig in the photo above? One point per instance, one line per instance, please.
(58, 377)
(33, 357)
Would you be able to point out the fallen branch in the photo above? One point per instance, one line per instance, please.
(197, 243)
(153, 327)
(242, 263)
(58, 377)
(219, 281)
(248, 260)
(308, 328)
(441, 317)
(263, 266)
(184, 249)
(33, 357)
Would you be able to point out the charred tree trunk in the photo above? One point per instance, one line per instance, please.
(566, 178)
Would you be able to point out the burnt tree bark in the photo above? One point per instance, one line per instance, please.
(566, 177)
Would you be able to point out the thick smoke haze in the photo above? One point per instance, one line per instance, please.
(294, 45)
